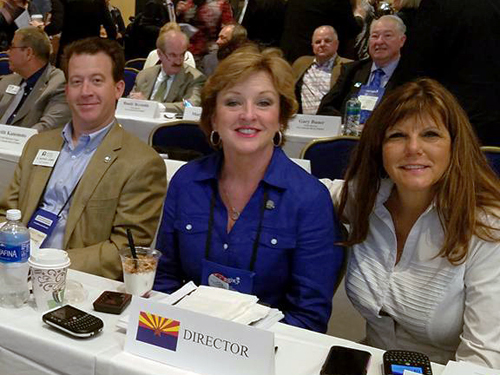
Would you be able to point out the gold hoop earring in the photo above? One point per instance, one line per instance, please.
(278, 139)
(215, 139)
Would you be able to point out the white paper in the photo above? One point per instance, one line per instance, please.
(13, 138)
(367, 102)
(46, 158)
(23, 20)
(465, 368)
(312, 125)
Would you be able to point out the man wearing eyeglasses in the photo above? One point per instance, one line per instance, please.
(33, 96)
(171, 82)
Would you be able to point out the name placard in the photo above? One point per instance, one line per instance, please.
(192, 113)
(138, 108)
(13, 138)
(312, 125)
(197, 342)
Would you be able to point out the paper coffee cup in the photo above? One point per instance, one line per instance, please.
(139, 274)
(48, 276)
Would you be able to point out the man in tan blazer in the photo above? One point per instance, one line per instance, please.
(316, 75)
(33, 96)
(102, 180)
(171, 82)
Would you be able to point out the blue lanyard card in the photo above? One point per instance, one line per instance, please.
(369, 98)
(225, 277)
(41, 225)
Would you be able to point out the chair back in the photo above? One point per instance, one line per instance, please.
(135, 63)
(4, 54)
(492, 153)
(181, 140)
(129, 76)
(4, 66)
(329, 156)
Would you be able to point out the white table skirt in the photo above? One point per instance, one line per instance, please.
(28, 346)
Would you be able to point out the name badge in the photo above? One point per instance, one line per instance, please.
(12, 89)
(46, 158)
(41, 225)
(369, 98)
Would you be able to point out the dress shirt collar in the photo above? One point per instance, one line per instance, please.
(386, 186)
(327, 65)
(91, 140)
(31, 81)
(162, 76)
(274, 175)
(388, 69)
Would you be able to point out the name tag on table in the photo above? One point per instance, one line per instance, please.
(192, 113)
(12, 89)
(46, 158)
(139, 108)
(197, 342)
(13, 138)
(317, 126)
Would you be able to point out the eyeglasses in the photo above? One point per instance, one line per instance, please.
(20, 47)
(175, 56)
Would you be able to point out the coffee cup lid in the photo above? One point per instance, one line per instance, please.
(49, 258)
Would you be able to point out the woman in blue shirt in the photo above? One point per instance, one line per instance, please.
(247, 218)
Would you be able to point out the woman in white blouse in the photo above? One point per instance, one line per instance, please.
(423, 207)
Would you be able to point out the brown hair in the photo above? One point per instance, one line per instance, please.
(468, 189)
(37, 40)
(239, 66)
(93, 46)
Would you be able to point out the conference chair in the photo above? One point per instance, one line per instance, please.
(180, 140)
(4, 66)
(329, 156)
(129, 76)
(135, 63)
(4, 54)
(492, 153)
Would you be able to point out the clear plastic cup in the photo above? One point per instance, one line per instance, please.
(139, 274)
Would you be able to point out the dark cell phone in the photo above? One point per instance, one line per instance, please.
(112, 302)
(346, 361)
(397, 361)
(74, 322)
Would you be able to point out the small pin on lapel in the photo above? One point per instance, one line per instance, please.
(270, 205)
(107, 159)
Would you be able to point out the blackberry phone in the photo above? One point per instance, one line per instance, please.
(397, 361)
(74, 322)
(346, 361)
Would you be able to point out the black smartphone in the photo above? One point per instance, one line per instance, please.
(346, 361)
(397, 361)
(74, 322)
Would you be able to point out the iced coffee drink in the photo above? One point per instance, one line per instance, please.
(139, 274)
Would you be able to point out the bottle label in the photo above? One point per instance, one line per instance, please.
(14, 253)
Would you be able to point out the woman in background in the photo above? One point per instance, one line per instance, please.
(247, 217)
(423, 207)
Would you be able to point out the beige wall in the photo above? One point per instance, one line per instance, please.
(127, 7)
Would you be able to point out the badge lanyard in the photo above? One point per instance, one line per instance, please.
(259, 228)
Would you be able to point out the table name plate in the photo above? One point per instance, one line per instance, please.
(13, 138)
(197, 342)
(139, 108)
(312, 125)
(192, 113)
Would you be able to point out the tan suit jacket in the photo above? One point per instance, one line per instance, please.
(46, 107)
(123, 187)
(303, 63)
(187, 85)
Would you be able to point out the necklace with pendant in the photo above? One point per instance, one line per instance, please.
(234, 214)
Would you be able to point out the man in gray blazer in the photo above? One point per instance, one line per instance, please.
(170, 83)
(33, 96)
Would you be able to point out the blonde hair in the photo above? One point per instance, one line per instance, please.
(467, 191)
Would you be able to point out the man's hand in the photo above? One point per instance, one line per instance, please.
(137, 95)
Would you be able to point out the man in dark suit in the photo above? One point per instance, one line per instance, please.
(387, 37)
(302, 17)
(457, 43)
(172, 82)
(33, 96)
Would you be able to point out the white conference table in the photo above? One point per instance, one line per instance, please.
(28, 346)
(143, 127)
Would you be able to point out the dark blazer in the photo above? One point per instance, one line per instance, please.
(351, 78)
(457, 43)
(302, 17)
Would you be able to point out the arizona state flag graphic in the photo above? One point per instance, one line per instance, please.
(157, 330)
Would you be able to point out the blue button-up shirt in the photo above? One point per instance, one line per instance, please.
(297, 262)
(69, 168)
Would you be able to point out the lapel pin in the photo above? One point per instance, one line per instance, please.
(357, 84)
(107, 159)
(270, 205)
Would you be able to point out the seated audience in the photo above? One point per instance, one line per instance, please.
(316, 75)
(153, 57)
(33, 96)
(231, 37)
(247, 216)
(116, 16)
(171, 82)
(370, 77)
(424, 212)
(102, 181)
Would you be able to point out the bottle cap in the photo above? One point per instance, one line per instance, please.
(13, 214)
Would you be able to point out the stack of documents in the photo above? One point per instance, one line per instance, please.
(465, 368)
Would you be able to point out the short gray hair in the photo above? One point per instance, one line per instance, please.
(37, 40)
(164, 37)
(400, 25)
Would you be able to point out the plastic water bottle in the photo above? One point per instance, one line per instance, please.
(352, 116)
(14, 254)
